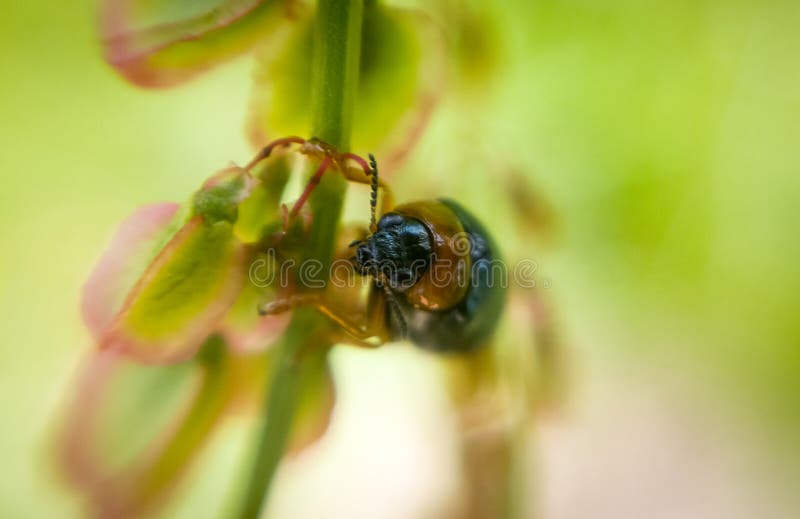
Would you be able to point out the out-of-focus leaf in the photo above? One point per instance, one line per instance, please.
(132, 430)
(161, 289)
(136, 242)
(182, 295)
(474, 38)
(243, 328)
(261, 210)
(316, 402)
(158, 43)
(219, 197)
(519, 377)
(401, 77)
(253, 204)
(401, 80)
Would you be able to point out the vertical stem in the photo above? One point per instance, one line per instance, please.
(337, 44)
(337, 49)
(337, 54)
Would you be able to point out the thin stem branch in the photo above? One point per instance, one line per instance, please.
(337, 48)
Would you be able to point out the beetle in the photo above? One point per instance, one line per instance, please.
(435, 274)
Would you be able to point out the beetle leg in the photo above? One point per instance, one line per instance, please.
(328, 156)
(351, 174)
(367, 333)
(312, 184)
(267, 150)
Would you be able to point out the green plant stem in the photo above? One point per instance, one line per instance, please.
(337, 48)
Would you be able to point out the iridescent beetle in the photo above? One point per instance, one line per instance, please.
(437, 278)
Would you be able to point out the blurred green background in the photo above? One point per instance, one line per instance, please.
(663, 135)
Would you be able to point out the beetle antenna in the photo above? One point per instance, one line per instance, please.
(373, 200)
(394, 307)
(371, 171)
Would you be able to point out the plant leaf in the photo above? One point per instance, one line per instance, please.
(135, 243)
(133, 431)
(315, 406)
(183, 294)
(159, 43)
(243, 328)
(260, 211)
(399, 83)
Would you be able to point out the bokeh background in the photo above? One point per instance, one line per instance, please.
(660, 136)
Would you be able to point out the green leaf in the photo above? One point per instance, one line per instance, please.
(158, 43)
(316, 402)
(261, 209)
(133, 431)
(243, 328)
(182, 295)
(475, 38)
(219, 197)
(399, 83)
(138, 239)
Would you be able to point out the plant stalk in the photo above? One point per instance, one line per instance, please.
(337, 50)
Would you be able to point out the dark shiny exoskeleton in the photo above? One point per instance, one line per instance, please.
(442, 273)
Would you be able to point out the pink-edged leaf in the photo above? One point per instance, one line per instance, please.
(243, 328)
(315, 407)
(247, 331)
(134, 244)
(182, 296)
(401, 79)
(158, 43)
(133, 431)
